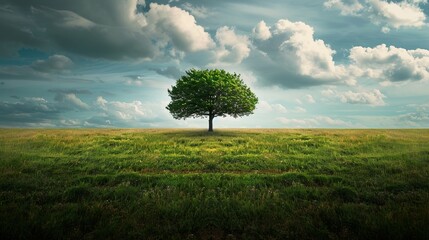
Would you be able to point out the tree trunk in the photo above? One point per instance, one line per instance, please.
(211, 123)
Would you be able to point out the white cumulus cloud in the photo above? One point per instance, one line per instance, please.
(398, 14)
(233, 48)
(115, 111)
(350, 7)
(389, 14)
(177, 26)
(265, 106)
(373, 97)
(288, 55)
(389, 63)
(313, 56)
(261, 31)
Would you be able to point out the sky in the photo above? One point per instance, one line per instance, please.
(312, 63)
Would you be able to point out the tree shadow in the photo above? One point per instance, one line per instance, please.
(197, 133)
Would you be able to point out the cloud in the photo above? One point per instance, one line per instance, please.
(141, 3)
(77, 34)
(279, 108)
(266, 107)
(39, 112)
(28, 105)
(172, 24)
(232, 48)
(300, 110)
(134, 82)
(22, 73)
(135, 76)
(19, 28)
(261, 31)
(330, 92)
(372, 98)
(27, 112)
(172, 72)
(55, 63)
(197, 11)
(397, 14)
(318, 121)
(56, 66)
(298, 122)
(70, 90)
(313, 57)
(116, 30)
(417, 117)
(347, 7)
(119, 113)
(390, 63)
(385, 29)
(140, 80)
(70, 100)
(389, 14)
(70, 123)
(291, 57)
(332, 122)
(309, 98)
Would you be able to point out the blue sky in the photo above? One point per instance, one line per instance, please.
(312, 64)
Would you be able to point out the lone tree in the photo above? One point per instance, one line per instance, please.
(210, 93)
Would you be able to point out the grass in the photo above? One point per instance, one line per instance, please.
(230, 184)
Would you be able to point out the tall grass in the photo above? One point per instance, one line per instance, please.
(231, 184)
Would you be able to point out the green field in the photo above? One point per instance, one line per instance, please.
(230, 184)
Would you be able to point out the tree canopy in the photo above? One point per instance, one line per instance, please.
(210, 93)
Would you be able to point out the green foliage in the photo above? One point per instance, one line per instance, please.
(233, 184)
(210, 93)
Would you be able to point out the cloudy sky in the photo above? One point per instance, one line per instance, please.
(312, 63)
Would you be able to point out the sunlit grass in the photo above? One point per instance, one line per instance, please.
(230, 184)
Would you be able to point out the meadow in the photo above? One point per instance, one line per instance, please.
(230, 184)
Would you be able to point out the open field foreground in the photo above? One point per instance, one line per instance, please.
(231, 184)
